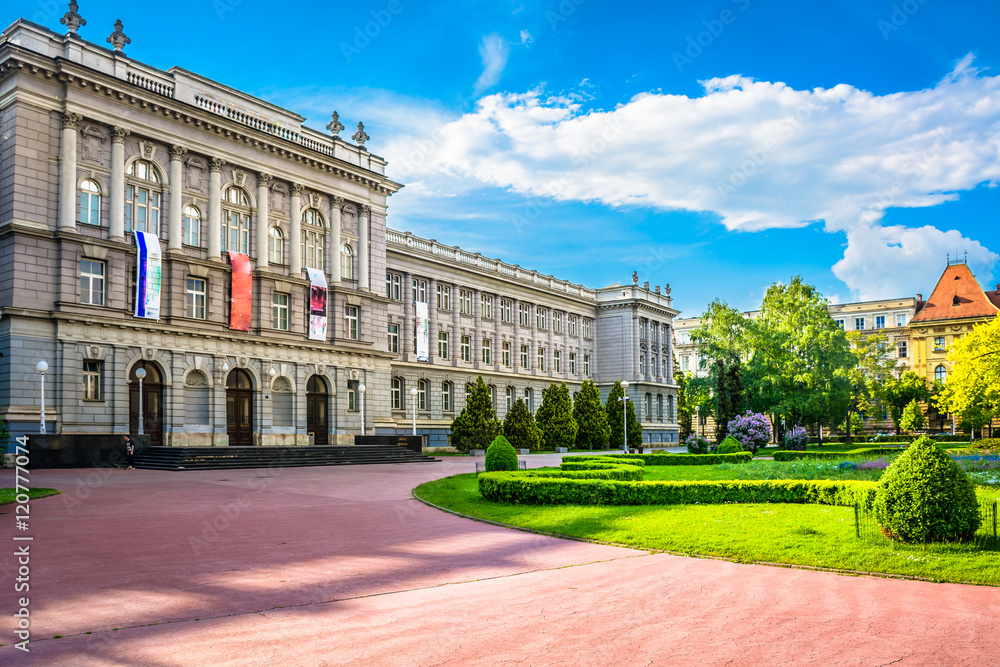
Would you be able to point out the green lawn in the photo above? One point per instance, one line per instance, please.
(812, 535)
(8, 495)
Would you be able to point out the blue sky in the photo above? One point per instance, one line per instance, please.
(716, 146)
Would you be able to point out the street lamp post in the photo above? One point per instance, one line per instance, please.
(140, 373)
(624, 400)
(697, 416)
(413, 395)
(361, 390)
(41, 367)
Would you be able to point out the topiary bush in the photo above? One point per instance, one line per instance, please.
(696, 444)
(500, 455)
(925, 497)
(730, 445)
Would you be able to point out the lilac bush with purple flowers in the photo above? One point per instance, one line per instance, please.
(752, 430)
(796, 438)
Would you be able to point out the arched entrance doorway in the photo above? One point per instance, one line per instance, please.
(317, 409)
(152, 402)
(239, 408)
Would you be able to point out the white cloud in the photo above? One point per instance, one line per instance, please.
(493, 50)
(526, 38)
(759, 154)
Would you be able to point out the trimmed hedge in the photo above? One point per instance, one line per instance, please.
(864, 452)
(660, 459)
(860, 439)
(519, 488)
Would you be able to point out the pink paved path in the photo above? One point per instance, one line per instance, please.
(340, 566)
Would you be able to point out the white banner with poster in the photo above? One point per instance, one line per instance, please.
(317, 304)
(423, 331)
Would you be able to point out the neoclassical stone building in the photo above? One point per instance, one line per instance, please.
(161, 223)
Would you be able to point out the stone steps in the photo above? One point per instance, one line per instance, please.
(218, 458)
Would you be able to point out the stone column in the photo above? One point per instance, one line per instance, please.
(215, 209)
(579, 352)
(431, 320)
(667, 349)
(649, 347)
(408, 320)
(116, 191)
(67, 172)
(532, 344)
(175, 222)
(336, 207)
(263, 208)
(498, 333)
(516, 344)
(295, 235)
(456, 325)
(477, 336)
(364, 213)
(633, 344)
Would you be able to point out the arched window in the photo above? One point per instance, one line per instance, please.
(90, 202)
(422, 395)
(312, 239)
(346, 263)
(941, 373)
(275, 246)
(192, 226)
(397, 393)
(142, 198)
(236, 221)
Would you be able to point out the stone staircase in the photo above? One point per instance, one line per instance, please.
(218, 458)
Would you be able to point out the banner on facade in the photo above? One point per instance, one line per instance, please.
(423, 330)
(240, 306)
(317, 304)
(148, 268)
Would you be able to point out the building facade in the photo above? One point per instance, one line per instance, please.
(279, 318)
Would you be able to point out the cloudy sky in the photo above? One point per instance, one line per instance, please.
(716, 146)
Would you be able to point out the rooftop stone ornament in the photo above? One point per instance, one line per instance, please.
(118, 38)
(71, 19)
(360, 135)
(335, 126)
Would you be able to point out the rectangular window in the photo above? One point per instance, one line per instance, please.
(901, 349)
(939, 345)
(392, 286)
(505, 354)
(643, 328)
(529, 399)
(524, 357)
(486, 306)
(840, 323)
(487, 351)
(541, 358)
(659, 407)
(859, 323)
(586, 364)
(466, 348)
(900, 319)
(142, 210)
(192, 226)
(506, 310)
(444, 297)
(92, 282)
(443, 344)
(572, 325)
(422, 395)
(572, 363)
(279, 311)
(557, 361)
(642, 365)
(465, 302)
(396, 392)
(509, 401)
(880, 321)
(685, 363)
(394, 338)
(557, 322)
(586, 328)
(446, 396)
(92, 380)
(540, 318)
(196, 297)
(351, 322)
(352, 395)
(523, 314)
(420, 290)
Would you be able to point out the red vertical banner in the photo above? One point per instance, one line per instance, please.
(239, 313)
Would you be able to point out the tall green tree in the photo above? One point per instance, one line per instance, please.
(555, 417)
(913, 418)
(591, 418)
(520, 428)
(684, 409)
(477, 424)
(972, 391)
(870, 373)
(613, 408)
(723, 338)
(700, 400)
(723, 411)
(897, 392)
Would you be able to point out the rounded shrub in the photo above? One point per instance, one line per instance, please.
(752, 429)
(696, 444)
(500, 455)
(925, 497)
(730, 445)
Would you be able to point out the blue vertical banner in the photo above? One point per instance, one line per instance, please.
(148, 270)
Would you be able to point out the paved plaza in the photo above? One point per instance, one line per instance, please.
(341, 566)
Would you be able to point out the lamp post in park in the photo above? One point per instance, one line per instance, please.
(624, 400)
(413, 396)
(697, 416)
(361, 390)
(41, 367)
(140, 373)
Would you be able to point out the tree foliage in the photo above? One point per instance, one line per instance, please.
(520, 428)
(872, 370)
(613, 409)
(591, 418)
(500, 455)
(477, 425)
(898, 392)
(685, 411)
(972, 391)
(555, 417)
(913, 418)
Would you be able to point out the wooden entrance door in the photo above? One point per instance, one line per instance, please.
(239, 408)
(317, 410)
(152, 402)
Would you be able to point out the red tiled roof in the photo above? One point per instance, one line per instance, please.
(958, 295)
